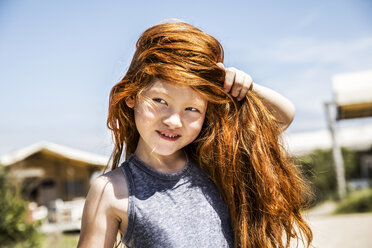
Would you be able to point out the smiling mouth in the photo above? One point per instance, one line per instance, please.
(168, 137)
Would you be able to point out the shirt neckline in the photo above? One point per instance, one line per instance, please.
(167, 176)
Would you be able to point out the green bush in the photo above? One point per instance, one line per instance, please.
(356, 202)
(318, 168)
(15, 229)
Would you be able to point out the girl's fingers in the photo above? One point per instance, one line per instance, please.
(244, 90)
(238, 84)
(219, 64)
(229, 78)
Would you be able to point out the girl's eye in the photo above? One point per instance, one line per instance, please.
(159, 100)
(192, 109)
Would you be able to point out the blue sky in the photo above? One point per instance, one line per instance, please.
(59, 59)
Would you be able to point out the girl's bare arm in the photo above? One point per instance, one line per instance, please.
(282, 108)
(238, 83)
(100, 222)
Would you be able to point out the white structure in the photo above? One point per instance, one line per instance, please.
(357, 138)
(353, 94)
(352, 99)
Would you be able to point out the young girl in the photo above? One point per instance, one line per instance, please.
(203, 163)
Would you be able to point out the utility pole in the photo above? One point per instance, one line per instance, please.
(336, 152)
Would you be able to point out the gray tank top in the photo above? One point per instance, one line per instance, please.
(182, 209)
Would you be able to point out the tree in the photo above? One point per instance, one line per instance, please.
(318, 168)
(15, 229)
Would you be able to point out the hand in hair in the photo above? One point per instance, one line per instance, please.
(237, 82)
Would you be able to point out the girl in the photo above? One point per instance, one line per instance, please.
(204, 166)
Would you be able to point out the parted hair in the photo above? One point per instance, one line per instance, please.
(239, 146)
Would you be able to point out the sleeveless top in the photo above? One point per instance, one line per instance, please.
(182, 209)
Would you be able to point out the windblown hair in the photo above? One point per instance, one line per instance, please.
(239, 145)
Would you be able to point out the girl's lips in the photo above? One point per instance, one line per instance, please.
(170, 137)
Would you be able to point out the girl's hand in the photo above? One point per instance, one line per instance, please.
(237, 82)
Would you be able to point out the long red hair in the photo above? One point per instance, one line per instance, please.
(239, 145)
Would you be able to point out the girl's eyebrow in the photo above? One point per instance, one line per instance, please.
(159, 91)
(192, 102)
(196, 103)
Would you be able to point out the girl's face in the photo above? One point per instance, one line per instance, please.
(168, 117)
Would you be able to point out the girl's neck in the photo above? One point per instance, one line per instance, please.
(166, 164)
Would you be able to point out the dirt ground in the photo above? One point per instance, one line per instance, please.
(342, 231)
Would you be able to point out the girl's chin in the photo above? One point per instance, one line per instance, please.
(166, 152)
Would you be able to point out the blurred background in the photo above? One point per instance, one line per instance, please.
(59, 60)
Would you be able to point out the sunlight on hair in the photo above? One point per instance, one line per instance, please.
(238, 146)
(170, 20)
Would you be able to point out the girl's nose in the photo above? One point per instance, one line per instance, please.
(173, 121)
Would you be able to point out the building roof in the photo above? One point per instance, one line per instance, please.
(353, 94)
(352, 88)
(67, 152)
(357, 138)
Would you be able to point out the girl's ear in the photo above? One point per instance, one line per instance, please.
(130, 101)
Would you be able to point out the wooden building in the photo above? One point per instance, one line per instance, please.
(47, 172)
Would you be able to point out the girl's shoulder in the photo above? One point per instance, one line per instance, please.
(112, 190)
(105, 210)
(113, 184)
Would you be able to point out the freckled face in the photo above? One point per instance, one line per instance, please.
(168, 117)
